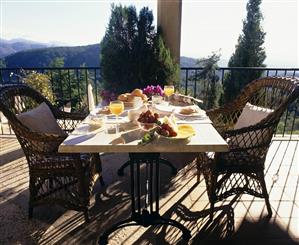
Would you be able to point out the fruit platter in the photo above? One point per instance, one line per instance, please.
(148, 120)
(165, 129)
(171, 131)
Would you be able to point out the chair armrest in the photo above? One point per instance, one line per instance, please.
(68, 121)
(251, 137)
(41, 143)
(224, 118)
(79, 116)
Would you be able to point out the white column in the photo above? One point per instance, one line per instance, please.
(169, 19)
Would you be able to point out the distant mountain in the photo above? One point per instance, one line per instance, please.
(8, 47)
(188, 62)
(40, 56)
(73, 56)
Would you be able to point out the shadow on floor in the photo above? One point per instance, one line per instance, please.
(112, 204)
(198, 222)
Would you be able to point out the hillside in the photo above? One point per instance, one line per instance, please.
(22, 53)
(8, 47)
(188, 62)
(73, 56)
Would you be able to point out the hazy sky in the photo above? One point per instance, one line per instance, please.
(207, 25)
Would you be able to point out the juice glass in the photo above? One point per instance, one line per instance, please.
(168, 90)
(116, 107)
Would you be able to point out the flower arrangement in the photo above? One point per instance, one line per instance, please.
(151, 90)
(107, 96)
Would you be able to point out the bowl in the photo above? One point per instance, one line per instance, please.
(146, 126)
(96, 122)
(184, 133)
(175, 139)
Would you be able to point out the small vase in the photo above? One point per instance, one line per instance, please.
(105, 102)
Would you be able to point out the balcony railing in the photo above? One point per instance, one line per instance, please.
(70, 87)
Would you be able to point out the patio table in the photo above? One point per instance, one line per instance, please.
(206, 139)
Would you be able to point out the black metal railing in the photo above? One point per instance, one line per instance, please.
(199, 88)
(69, 85)
(191, 83)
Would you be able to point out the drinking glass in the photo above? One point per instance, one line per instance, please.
(168, 90)
(156, 99)
(116, 107)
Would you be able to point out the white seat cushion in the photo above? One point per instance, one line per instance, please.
(41, 119)
(251, 115)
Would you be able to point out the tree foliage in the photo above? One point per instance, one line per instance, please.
(249, 52)
(209, 87)
(69, 86)
(2, 63)
(133, 53)
(40, 82)
(211, 79)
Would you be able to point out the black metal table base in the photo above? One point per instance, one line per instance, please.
(148, 213)
(174, 171)
(145, 219)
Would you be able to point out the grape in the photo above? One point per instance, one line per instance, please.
(148, 117)
(148, 137)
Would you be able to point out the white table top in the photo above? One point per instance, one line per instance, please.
(206, 139)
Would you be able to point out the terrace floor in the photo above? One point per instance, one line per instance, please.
(241, 220)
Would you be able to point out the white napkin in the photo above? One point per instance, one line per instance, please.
(134, 113)
(91, 105)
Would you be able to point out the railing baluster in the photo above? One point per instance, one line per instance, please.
(78, 87)
(186, 82)
(61, 87)
(285, 122)
(1, 77)
(294, 73)
(222, 75)
(195, 87)
(285, 73)
(95, 85)
(86, 83)
(295, 113)
(69, 84)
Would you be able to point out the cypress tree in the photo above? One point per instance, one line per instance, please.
(133, 54)
(249, 52)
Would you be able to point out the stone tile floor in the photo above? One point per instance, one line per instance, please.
(240, 220)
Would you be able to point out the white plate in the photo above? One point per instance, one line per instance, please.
(164, 108)
(200, 114)
(195, 115)
(86, 129)
(173, 139)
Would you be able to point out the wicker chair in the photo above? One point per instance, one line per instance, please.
(55, 178)
(241, 169)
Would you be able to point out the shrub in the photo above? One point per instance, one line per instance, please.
(40, 82)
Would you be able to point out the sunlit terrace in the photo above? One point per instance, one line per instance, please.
(239, 219)
(242, 219)
(202, 164)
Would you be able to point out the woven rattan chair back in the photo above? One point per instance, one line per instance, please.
(64, 179)
(271, 92)
(18, 98)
